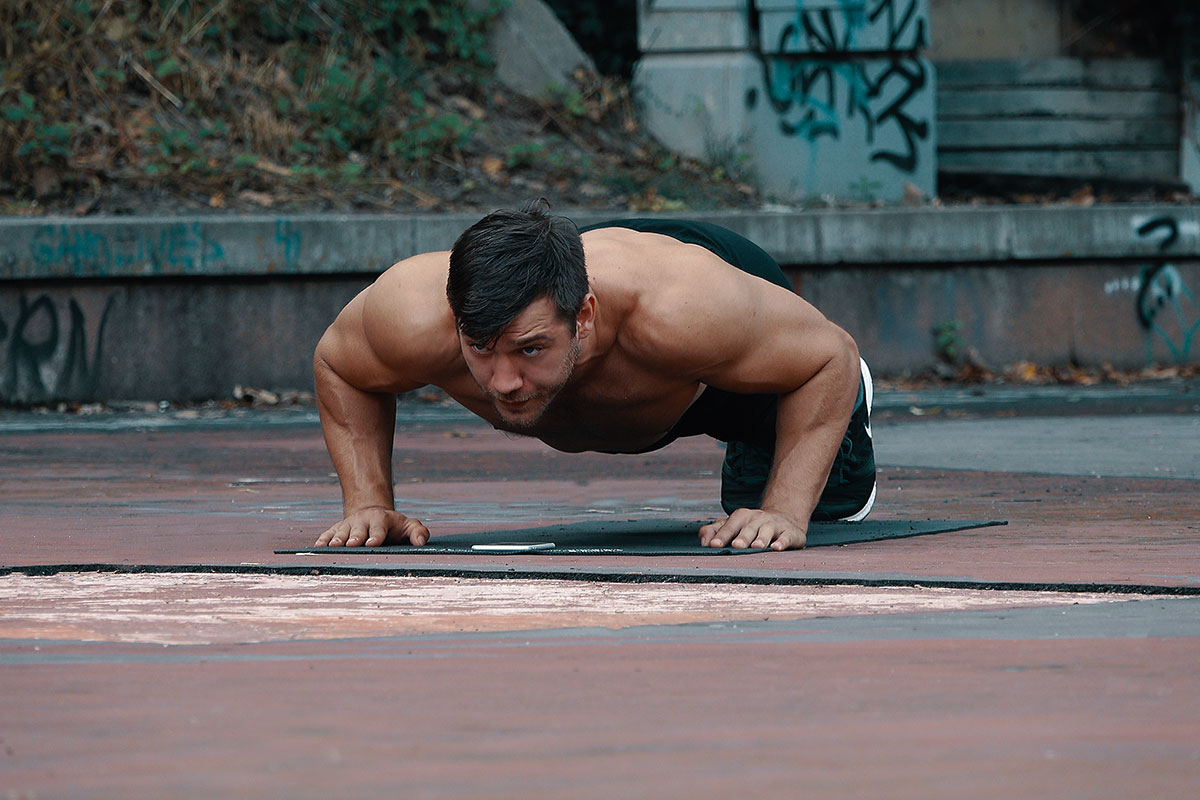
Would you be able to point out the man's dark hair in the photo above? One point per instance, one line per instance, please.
(508, 260)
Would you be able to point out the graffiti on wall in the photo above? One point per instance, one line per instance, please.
(49, 350)
(1166, 308)
(287, 242)
(186, 248)
(169, 249)
(830, 67)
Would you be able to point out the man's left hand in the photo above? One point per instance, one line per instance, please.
(754, 527)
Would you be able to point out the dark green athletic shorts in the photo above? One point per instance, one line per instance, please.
(746, 422)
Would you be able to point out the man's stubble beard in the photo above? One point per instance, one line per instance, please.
(525, 424)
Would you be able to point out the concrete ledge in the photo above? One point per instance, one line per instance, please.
(98, 309)
(693, 25)
(157, 247)
(52, 248)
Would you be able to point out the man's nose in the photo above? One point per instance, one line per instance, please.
(506, 378)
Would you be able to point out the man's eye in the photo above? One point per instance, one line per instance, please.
(478, 348)
(531, 350)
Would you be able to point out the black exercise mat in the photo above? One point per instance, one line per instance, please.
(644, 538)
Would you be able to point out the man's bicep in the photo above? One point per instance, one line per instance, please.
(347, 351)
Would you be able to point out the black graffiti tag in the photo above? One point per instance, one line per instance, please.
(32, 343)
(815, 80)
(909, 22)
(34, 340)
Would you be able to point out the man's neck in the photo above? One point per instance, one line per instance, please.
(593, 349)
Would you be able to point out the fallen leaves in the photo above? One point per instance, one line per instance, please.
(494, 168)
(261, 199)
(265, 397)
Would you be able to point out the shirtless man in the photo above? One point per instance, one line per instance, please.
(672, 328)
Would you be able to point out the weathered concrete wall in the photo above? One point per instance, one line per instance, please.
(1085, 313)
(155, 340)
(987, 29)
(172, 309)
(177, 247)
(320, 245)
(1189, 135)
(1113, 285)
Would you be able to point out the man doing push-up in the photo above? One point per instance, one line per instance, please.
(619, 339)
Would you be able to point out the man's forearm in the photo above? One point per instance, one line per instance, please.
(811, 422)
(359, 428)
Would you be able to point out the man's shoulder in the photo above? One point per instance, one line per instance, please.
(685, 307)
(410, 292)
(406, 317)
(674, 318)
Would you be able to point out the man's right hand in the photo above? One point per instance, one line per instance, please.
(372, 527)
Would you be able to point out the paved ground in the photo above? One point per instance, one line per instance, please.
(151, 643)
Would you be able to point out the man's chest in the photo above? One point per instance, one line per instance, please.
(612, 416)
(615, 421)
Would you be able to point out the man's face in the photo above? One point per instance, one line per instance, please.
(527, 366)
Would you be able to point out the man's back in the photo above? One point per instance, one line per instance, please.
(669, 315)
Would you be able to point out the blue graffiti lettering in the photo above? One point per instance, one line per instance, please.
(288, 237)
(1162, 290)
(174, 249)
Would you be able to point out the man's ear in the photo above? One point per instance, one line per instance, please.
(585, 320)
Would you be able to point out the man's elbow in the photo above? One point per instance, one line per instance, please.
(844, 352)
(324, 358)
(320, 360)
(843, 364)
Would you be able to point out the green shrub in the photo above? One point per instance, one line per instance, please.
(175, 89)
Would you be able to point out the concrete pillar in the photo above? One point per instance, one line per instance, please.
(822, 98)
(1189, 139)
